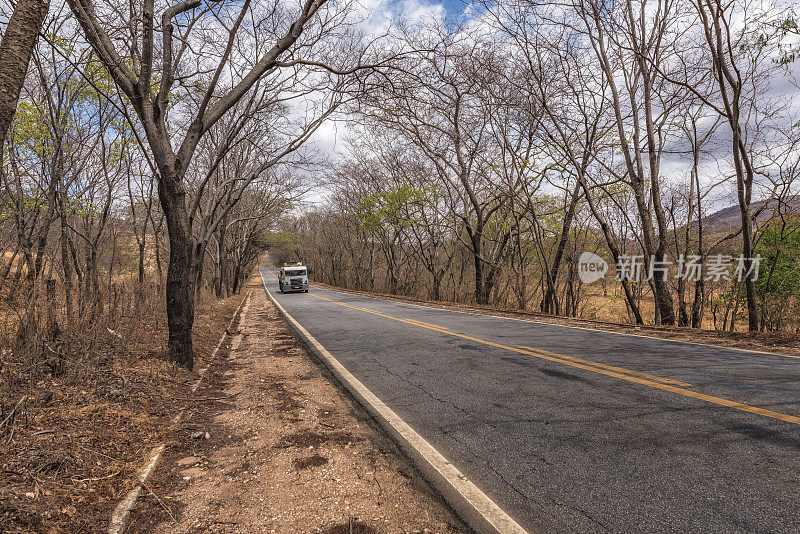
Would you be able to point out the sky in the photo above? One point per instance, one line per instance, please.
(330, 138)
(454, 6)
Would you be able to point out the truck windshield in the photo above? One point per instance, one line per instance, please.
(295, 272)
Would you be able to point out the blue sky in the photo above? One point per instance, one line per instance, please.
(454, 6)
(451, 7)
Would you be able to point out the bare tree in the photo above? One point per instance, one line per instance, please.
(631, 40)
(723, 44)
(438, 106)
(194, 83)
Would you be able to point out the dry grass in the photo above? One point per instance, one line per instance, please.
(98, 397)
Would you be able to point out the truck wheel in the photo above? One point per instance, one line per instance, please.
(306, 291)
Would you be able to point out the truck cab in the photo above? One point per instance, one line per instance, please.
(293, 277)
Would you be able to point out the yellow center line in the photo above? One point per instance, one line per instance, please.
(610, 367)
(560, 358)
(428, 324)
(407, 321)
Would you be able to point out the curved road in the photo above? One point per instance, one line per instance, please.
(577, 430)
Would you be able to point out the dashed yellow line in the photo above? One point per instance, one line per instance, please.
(595, 368)
(610, 367)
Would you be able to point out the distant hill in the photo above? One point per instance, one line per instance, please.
(728, 219)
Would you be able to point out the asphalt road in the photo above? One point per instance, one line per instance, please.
(582, 431)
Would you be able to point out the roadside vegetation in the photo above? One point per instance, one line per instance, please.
(506, 146)
(177, 130)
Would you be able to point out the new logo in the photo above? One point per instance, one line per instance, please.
(591, 267)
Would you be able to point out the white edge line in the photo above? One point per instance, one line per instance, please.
(475, 507)
(119, 519)
(535, 321)
(122, 511)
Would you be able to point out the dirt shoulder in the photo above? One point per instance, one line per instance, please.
(783, 343)
(273, 445)
(70, 451)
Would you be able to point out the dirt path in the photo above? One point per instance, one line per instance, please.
(272, 445)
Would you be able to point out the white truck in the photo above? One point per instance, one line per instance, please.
(293, 277)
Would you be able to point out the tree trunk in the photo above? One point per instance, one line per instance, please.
(66, 261)
(683, 315)
(15, 54)
(550, 303)
(237, 278)
(222, 259)
(157, 252)
(142, 245)
(697, 304)
(489, 283)
(436, 287)
(700, 284)
(481, 291)
(93, 279)
(744, 191)
(181, 273)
